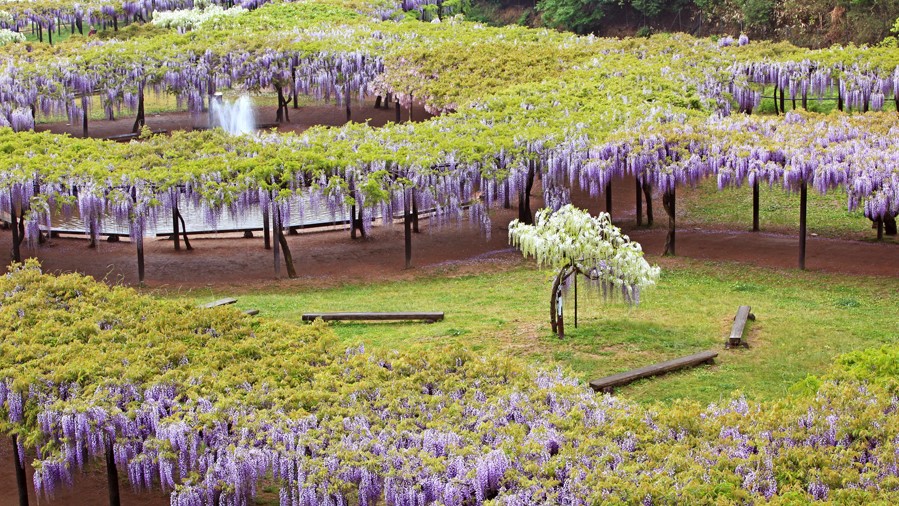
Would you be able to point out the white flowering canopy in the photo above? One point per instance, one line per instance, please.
(593, 246)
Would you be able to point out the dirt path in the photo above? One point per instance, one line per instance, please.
(329, 257)
(90, 487)
(301, 119)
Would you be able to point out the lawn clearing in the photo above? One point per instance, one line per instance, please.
(804, 320)
(731, 208)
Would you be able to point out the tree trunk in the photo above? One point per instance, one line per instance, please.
(353, 221)
(21, 480)
(112, 476)
(803, 197)
(639, 202)
(175, 224)
(139, 122)
(783, 108)
(776, 109)
(378, 102)
(507, 199)
(669, 203)
(556, 304)
(397, 112)
(184, 231)
(889, 224)
(276, 247)
(288, 257)
(840, 99)
(647, 192)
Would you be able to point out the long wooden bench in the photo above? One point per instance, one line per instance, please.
(608, 383)
(736, 332)
(225, 302)
(428, 317)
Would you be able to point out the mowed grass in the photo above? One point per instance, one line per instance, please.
(828, 215)
(804, 321)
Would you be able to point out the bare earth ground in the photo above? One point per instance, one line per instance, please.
(330, 257)
(300, 119)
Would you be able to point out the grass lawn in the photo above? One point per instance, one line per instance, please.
(731, 208)
(804, 320)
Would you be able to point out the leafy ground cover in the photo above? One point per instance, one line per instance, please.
(731, 208)
(211, 404)
(804, 320)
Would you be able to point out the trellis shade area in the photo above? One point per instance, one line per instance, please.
(514, 101)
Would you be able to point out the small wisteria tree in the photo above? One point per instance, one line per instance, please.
(575, 243)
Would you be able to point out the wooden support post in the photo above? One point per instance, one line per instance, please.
(609, 198)
(140, 260)
(397, 112)
(21, 480)
(112, 476)
(755, 205)
(804, 101)
(410, 108)
(347, 100)
(266, 238)
(639, 202)
(575, 300)
(84, 116)
(803, 198)
(407, 227)
(353, 221)
(415, 211)
(783, 108)
(293, 86)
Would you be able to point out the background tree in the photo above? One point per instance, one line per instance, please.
(575, 243)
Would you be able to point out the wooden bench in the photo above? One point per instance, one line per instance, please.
(428, 317)
(131, 136)
(608, 383)
(225, 302)
(736, 332)
(217, 303)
